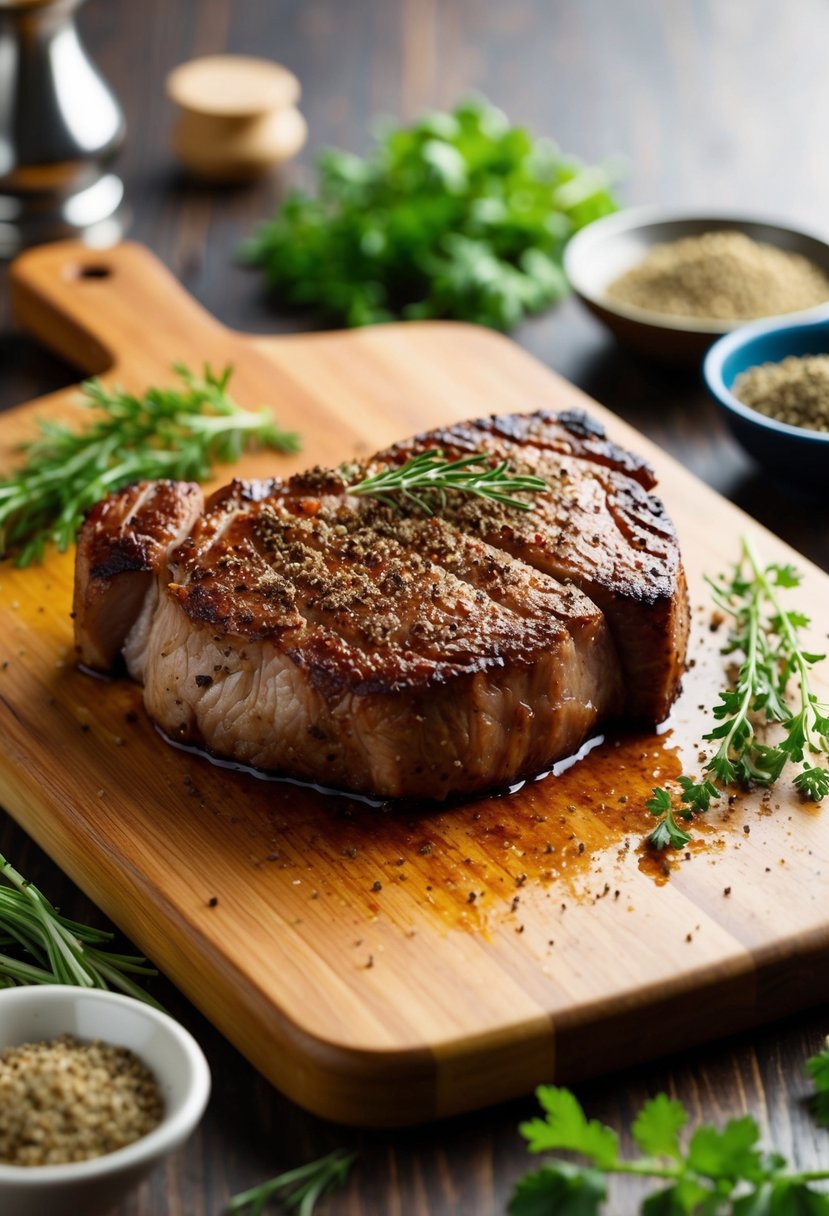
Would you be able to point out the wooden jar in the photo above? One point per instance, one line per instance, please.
(238, 118)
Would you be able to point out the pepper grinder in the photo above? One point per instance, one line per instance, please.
(60, 126)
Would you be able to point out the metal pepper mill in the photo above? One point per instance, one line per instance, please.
(60, 127)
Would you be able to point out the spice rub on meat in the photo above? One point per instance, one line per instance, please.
(300, 629)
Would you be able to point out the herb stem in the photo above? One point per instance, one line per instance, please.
(63, 951)
(426, 479)
(174, 432)
(785, 627)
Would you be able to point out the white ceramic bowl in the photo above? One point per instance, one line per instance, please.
(89, 1188)
(603, 250)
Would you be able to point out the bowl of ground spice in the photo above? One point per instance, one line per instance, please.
(771, 382)
(669, 285)
(95, 1090)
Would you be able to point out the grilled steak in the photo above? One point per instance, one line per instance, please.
(299, 629)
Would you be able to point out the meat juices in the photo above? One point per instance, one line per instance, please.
(305, 631)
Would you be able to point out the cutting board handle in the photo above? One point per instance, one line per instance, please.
(106, 309)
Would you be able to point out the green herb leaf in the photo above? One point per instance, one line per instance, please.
(660, 801)
(668, 834)
(782, 1198)
(565, 1126)
(818, 1069)
(166, 432)
(460, 215)
(563, 1189)
(684, 1198)
(698, 795)
(657, 1126)
(731, 1153)
(813, 783)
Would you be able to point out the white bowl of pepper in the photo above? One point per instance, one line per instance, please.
(668, 284)
(95, 1090)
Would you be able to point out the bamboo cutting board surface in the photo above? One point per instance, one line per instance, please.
(385, 966)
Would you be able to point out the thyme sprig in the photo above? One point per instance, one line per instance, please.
(768, 636)
(59, 950)
(428, 478)
(177, 432)
(299, 1189)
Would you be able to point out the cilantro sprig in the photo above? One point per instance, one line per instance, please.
(459, 215)
(177, 432)
(709, 1172)
(767, 634)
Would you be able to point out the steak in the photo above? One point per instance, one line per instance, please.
(303, 630)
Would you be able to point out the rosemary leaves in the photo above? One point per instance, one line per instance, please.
(165, 432)
(426, 479)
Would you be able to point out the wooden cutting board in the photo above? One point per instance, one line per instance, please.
(380, 966)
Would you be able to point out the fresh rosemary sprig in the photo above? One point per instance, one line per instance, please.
(715, 1172)
(426, 480)
(768, 636)
(297, 1190)
(167, 432)
(62, 951)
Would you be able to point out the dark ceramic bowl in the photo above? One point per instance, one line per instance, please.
(797, 455)
(607, 248)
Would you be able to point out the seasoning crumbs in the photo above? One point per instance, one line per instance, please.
(68, 1100)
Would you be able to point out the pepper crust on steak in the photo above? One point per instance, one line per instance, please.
(300, 629)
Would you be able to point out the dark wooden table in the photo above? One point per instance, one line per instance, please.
(711, 105)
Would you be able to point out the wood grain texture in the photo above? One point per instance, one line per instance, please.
(709, 103)
(459, 954)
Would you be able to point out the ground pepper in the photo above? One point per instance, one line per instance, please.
(68, 1100)
(795, 390)
(724, 276)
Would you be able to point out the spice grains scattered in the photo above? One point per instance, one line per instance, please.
(795, 390)
(68, 1100)
(724, 276)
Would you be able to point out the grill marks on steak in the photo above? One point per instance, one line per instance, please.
(597, 527)
(123, 543)
(301, 629)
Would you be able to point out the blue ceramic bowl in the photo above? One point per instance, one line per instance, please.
(795, 454)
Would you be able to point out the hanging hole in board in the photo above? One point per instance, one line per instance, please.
(89, 270)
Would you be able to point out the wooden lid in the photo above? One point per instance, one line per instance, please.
(232, 86)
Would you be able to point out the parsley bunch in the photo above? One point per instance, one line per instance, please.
(713, 1172)
(767, 635)
(460, 215)
(165, 432)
